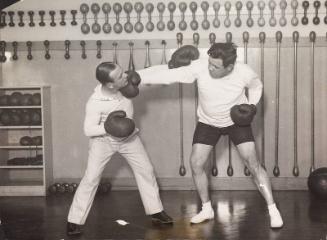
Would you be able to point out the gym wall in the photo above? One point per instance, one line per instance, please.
(157, 108)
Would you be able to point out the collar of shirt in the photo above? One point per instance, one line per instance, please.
(99, 95)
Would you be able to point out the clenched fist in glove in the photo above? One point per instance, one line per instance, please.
(243, 114)
(183, 56)
(131, 89)
(118, 125)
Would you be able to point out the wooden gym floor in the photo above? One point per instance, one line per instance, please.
(240, 215)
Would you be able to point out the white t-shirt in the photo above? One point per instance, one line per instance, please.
(216, 96)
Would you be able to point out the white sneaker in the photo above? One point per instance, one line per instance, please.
(205, 214)
(276, 220)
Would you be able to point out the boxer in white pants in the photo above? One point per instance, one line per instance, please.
(108, 137)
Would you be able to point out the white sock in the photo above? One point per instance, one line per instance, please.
(276, 220)
(206, 213)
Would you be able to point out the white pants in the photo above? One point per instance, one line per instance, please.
(101, 150)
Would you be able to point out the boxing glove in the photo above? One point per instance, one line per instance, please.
(243, 114)
(118, 125)
(131, 89)
(183, 56)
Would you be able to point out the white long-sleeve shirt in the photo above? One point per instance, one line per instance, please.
(216, 96)
(98, 108)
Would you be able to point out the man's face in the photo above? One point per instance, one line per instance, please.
(217, 69)
(120, 78)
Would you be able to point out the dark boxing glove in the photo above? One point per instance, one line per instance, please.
(118, 125)
(183, 56)
(131, 89)
(243, 114)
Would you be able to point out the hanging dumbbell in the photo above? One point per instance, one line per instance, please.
(117, 8)
(106, 27)
(246, 37)
(3, 19)
(161, 8)
(194, 24)
(295, 46)
(227, 21)
(95, 9)
(3, 57)
(316, 19)
(138, 9)
(312, 37)
(182, 169)
(279, 37)
(128, 8)
(262, 39)
(171, 9)
(216, 21)
(47, 46)
(272, 7)
(249, 21)
(131, 66)
(115, 60)
(73, 22)
(182, 24)
(205, 23)
(238, 21)
(214, 169)
(294, 5)
(147, 54)
(31, 15)
(41, 23)
(283, 20)
(149, 9)
(163, 58)
(99, 44)
(29, 50)
(305, 5)
(85, 27)
(62, 14)
(261, 20)
(67, 45)
(52, 14)
(15, 47)
(82, 43)
(11, 18)
(21, 18)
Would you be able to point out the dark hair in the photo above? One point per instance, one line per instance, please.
(103, 71)
(224, 51)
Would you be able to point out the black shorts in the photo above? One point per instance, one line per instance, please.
(210, 135)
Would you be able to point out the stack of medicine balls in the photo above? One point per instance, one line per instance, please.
(20, 116)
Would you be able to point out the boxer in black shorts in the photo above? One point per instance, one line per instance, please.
(223, 109)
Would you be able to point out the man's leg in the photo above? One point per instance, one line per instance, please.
(137, 157)
(248, 154)
(205, 137)
(100, 152)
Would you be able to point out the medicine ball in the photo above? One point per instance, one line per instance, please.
(37, 140)
(4, 100)
(35, 117)
(26, 141)
(317, 183)
(15, 99)
(26, 99)
(5, 118)
(25, 118)
(15, 118)
(36, 99)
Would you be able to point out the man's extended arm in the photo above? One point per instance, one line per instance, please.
(161, 74)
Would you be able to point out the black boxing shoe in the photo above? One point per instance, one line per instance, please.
(73, 229)
(161, 218)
